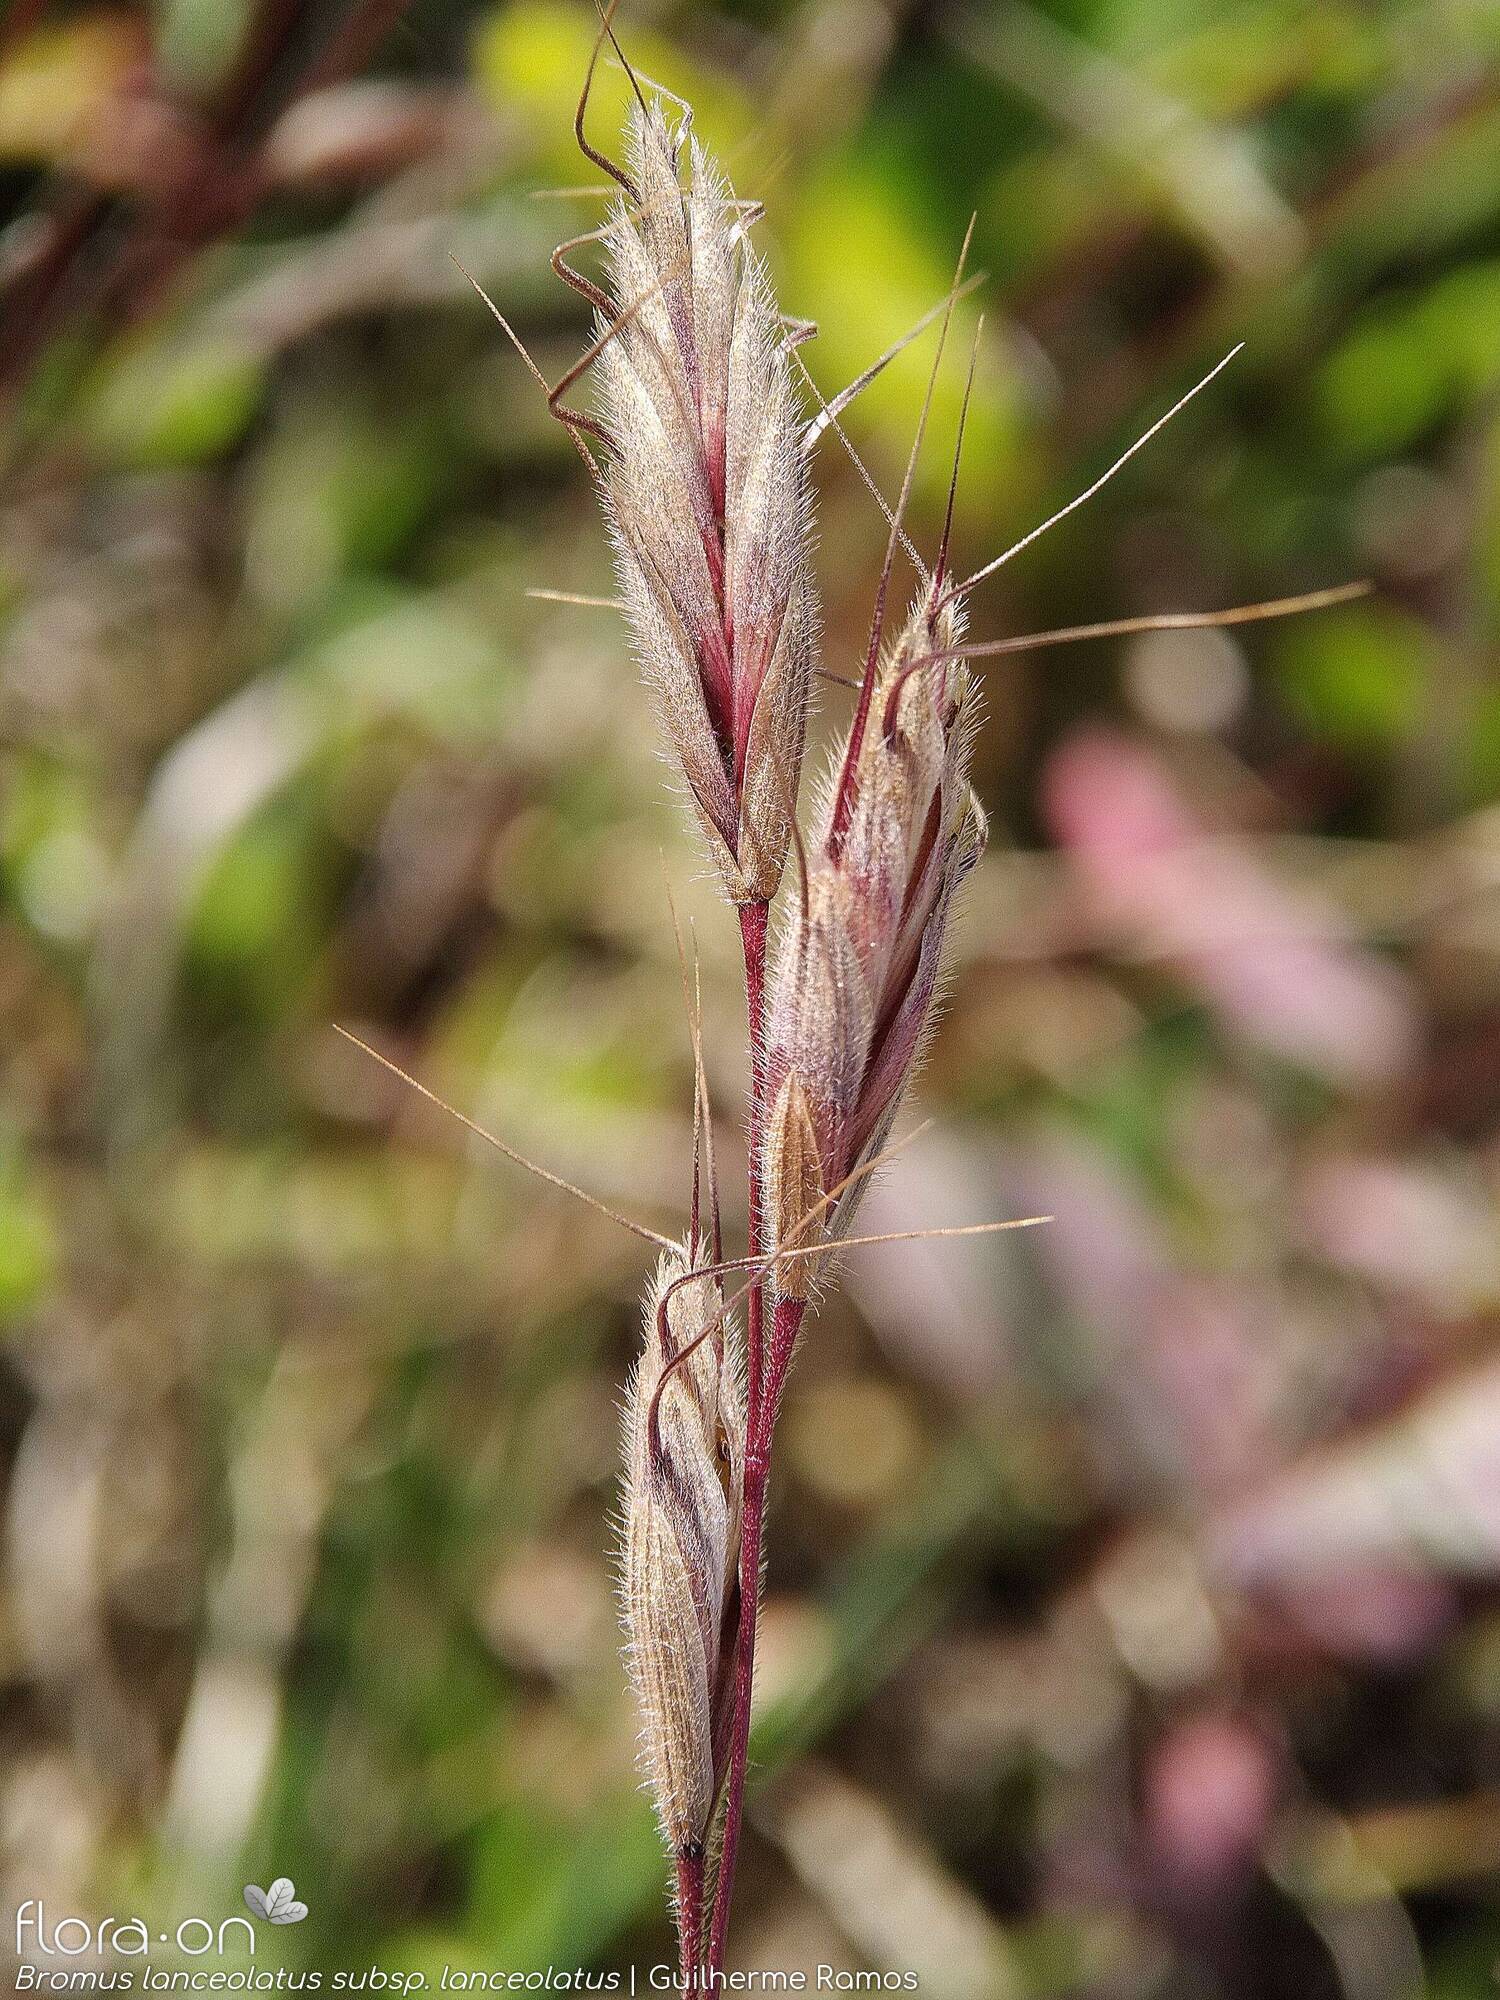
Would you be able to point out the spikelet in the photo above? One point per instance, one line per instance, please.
(684, 1457)
(857, 967)
(707, 499)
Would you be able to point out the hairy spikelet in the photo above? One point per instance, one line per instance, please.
(684, 1456)
(858, 965)
(707, 499)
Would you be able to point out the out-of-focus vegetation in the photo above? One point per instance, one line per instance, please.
(1132, 1622)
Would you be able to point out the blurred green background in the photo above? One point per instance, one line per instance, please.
(1132, 1625)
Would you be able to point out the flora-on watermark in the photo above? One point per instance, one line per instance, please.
(278, 1904)
(41, 1937)
(75, 1937)
(38, 1936)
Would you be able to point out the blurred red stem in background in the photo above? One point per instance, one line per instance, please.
(353, 42)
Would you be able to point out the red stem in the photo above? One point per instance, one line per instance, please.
(753, 924)
(762, 1423)
(690, 1916)
(757, 1466)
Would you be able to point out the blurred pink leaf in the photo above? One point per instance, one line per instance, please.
(1209, 1788)
(940, 1307)
(1420, 1493)
(1406, 1226)
(1274, 962)
(1182, 1368)
(1375, 1611)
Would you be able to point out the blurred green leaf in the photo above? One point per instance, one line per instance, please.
(165, 404)
(1357, 677)
(29, 1247)
(548, 1891)
(1408, 363)
(253, 928)
(887, 275)
(199, 39)
(530, 56)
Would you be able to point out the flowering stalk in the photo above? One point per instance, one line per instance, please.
(706, 494)
(704, 484)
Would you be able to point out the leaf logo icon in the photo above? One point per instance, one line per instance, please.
(278, 1904)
